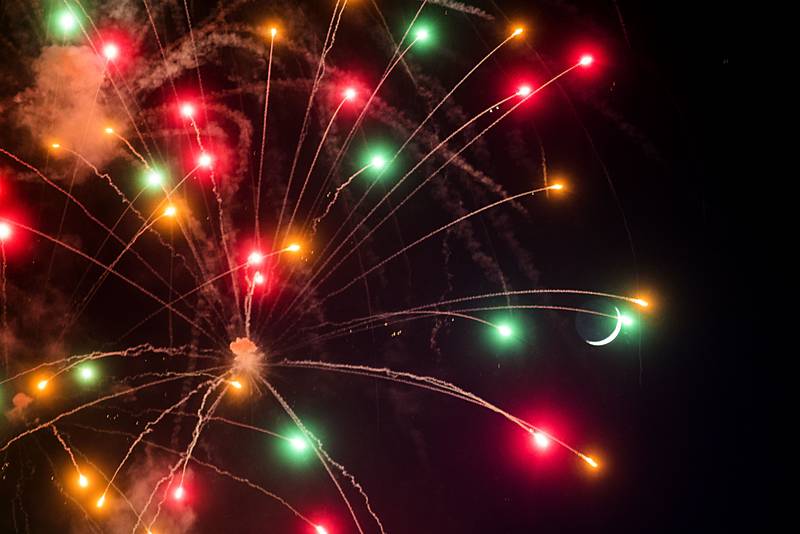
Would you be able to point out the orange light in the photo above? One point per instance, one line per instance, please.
(109, 130)
(557, 187)
(42, 385)
(589, 460)
(294, 247)
(236, 384)
(518, 31)
(170, 211)
(83, 481)
(101, 501)
(641, 302)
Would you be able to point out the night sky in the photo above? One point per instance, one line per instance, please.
(644, 141)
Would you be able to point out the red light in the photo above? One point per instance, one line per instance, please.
(187, 110)
(586, 60)
(204, 160)
(524, 90)
(111, 51)
(5, 231)
(540, 440)
(179, 493)
(258, 279)
(349, 93)
(255, 258)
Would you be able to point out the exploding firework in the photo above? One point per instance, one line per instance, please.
(213, 212)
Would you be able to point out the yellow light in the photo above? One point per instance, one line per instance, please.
(55, 146)
(557, 187)
(101, 501)
(170, 211)
(517, 31)
(273, 31)
(83, 481)
(42, 385)
(109, 130)
(236, 384)
(294, 247)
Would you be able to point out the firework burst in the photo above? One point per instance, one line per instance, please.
(215, 198)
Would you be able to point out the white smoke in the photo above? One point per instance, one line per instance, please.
(67, 103)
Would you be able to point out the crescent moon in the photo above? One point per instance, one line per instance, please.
(612, 336)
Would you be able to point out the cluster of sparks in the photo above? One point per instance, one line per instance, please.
(247, 372)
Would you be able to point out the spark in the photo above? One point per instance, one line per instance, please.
(524, 90)
(320, 529)
(111, 51)
(589, 460)
(298, 444)
(42, 385)
(273, 32)
(540, 439)
(67, 22)
(170, 211)
(557, 187)
(378, 162)
(187, 110)
(179, 493)
(101, 501)
(504, 330)
(236, 384)
(349, 93)
(83, 481)
(255, 258)
(586, 60)
(109, 130)
(626, 320)
(294, 247)
(641, 302)
(55, 146)
(86, 373)
(258, 279)
(5, 231)
(204, 160)
(518, 31)
(422, 34)
(154, 178)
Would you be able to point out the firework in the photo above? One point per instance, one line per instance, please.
(249, 262)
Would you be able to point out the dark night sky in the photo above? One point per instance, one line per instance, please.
(654, 121)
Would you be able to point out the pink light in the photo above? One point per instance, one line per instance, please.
(179, 493)
(258, 279)
(187, 110)
(255, 258)
(349, 93)
(586, 60)
(5, 231)
(111, 51)
(204, 160)
(524, 90)
(540, 439)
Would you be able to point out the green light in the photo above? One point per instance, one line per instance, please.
(626, 320)
(67, 22)
(378, 162)
(422, 34)
(298, 444)
(505, 330)
(86, 373)
(154, 178)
